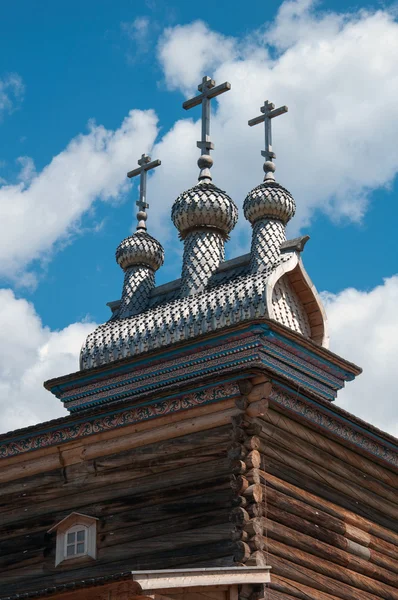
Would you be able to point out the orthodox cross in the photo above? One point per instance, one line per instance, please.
(208, 91)
(145, 165)
(269, 112)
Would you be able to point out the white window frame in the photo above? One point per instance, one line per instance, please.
(75, 529)
(72, 524)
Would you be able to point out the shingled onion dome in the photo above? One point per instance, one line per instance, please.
(204, 216)
(139, 255)
(269, 206)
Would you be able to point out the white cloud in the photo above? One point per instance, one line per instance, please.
(185, 51)
(139, 32)
(30, 354)
(46, 207)
(336, 144)
(11, 93)
(338, 141)
(364, 330)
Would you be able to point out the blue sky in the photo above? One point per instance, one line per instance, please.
(69, 76)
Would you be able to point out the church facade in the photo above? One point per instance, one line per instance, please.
(203, 456)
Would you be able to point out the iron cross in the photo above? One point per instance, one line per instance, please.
(269, 112)
(209, 90)
(145, 165)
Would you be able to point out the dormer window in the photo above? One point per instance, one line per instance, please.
(76, 537)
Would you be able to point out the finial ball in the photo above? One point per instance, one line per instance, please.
(142, 216)
(269, 167)
(205, 161)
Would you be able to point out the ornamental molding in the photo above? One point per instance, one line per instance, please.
(335, 424)
(253, 346)
(90, 425)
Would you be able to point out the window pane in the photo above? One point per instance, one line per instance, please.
(80, 548)
(70, 550)
(80, 535)
(71, 538)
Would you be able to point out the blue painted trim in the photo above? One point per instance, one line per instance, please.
(169, 353)
(309, 368)
(170, 369)
(300, 382)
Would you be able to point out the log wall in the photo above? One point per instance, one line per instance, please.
(323, 516)
(239, 483)
(159, 506)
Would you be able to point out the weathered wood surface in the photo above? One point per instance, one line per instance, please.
(329, 519)
(378, 537)
(299, 431)
(160, 506)
(202, 418)
(258, 488)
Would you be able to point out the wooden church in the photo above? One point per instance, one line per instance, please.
(203, 457)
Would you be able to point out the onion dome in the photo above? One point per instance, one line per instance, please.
(269, 200)
(140, 249)
(204, 206)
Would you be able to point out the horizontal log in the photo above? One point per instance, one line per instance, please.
(325, 527)
(330, 569)
(312, 469)
(145, 485)
(275, 595)
(281, 438)
(383, 537)
(208, 554)
(178, 524)
(128, 465)
(332, 447)
(125, 509)
(298, 573)
(117, 440)
(297, 590)
(316, 486)
(253, 459)
(241, 552)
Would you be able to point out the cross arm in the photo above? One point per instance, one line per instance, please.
(147, 167)
(268, 115)
(210, 93)
(277, 111)
(256, 120)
